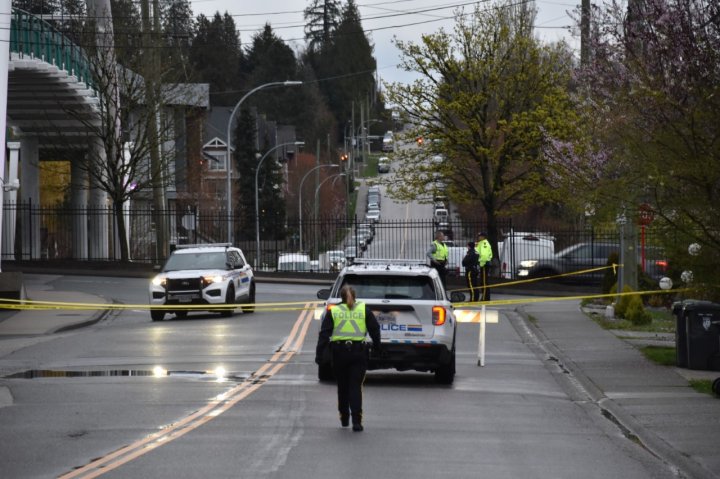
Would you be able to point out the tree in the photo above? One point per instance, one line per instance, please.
(321, 19)
(487, 96)
(178, 29)
(127, 28)
(652, 96)
(215, 55)
(347, 62)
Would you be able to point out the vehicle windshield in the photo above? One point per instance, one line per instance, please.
(391, 287)
(199, 260)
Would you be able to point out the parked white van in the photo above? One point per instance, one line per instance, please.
(518, 246)
(293, 262)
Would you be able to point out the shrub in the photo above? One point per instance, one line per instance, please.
(623, 302)
(636, 312)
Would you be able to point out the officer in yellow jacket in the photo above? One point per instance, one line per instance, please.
(438, 254)
(485, 254)
(343, 329)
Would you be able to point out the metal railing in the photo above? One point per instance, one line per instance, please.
(34, 233)
(33, 37)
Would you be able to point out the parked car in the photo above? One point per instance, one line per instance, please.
(383, 164)
(333, 261)
(373, 216)
(518, 247)
(582, 257)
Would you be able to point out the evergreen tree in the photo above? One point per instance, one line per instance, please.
(269, 59)
(127, 27)
(348, 61)
(245, 162)
(321, 19)
(215, 54)
(178, 30)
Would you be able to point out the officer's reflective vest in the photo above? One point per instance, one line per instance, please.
(349, 325)
(441, 251)
(484, 251)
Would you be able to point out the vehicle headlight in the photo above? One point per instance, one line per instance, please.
(528, 263)
(159, 281)
(217, 278)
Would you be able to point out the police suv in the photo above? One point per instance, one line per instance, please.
(416, 318)
(203, 274)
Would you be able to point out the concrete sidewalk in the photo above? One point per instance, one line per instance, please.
(651, 404)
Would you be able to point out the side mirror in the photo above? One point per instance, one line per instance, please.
(323, 293)
(457, 297)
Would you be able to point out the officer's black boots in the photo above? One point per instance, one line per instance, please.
(344, 420)
(357, 422)
(357, 427)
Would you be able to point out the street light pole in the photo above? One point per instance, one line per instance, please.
(228, 163)
(300, 197)
(257, 202)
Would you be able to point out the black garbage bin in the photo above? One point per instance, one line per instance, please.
(702, 324)
(680, 334)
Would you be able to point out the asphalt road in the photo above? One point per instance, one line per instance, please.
(271, 418)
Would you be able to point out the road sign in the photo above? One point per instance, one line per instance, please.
(646, 214)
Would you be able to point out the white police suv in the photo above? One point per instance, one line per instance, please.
(417, 322)
(203, 274)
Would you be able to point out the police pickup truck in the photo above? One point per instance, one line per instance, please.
(416, 317)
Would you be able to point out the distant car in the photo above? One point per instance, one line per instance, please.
(351, 253)
(388, 143)
(336, 260)
(211, 274)
(521, 246)
(383, 164)
(417, 320)
(373, 216)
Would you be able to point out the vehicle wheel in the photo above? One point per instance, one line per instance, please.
(325, 372)
(230, 301)
(157, 315)
(181, 314)
(250, 307)
(445, 374)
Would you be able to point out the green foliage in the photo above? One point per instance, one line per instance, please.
(664, 356)
(624, 301)
(487, 96)
(636, 312)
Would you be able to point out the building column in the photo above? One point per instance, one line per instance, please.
(79, 204)
(10, 187)
(98, 228)
(29, 198)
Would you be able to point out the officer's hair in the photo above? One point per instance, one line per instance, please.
(345, 292)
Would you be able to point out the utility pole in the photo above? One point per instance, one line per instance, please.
(585, 33)
(151, 71)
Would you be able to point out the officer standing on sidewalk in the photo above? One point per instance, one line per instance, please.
(438, 254)
(484, 251)
(343, 329)
(472, 271)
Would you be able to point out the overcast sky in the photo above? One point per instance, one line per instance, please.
(402, 19)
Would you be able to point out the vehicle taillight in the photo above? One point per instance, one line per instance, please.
(662, 264)
(439, 315)
(329, 307)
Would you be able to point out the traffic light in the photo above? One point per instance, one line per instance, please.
(420, 140)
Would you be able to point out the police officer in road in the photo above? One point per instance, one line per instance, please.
(343, 329)
(484, 251)
(472, 271)
(438, 254)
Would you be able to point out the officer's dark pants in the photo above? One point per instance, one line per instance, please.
(350, 363)
(471, 279)
(483, 282)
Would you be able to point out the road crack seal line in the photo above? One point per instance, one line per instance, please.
(218, 405)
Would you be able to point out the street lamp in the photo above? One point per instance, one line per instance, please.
(257, 202)
(335, 176)
(300, 197)
(229, 147)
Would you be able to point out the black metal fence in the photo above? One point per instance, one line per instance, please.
(32, 232)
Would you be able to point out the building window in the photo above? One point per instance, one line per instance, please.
(216, 160)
